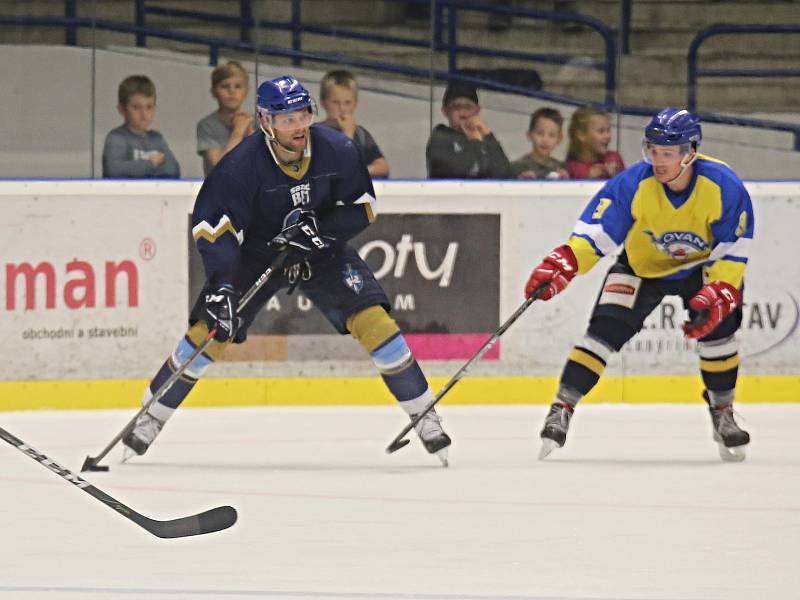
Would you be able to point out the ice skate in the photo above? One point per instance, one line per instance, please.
(556, 425)
(433, 437)
(138, 440)
(731, 439)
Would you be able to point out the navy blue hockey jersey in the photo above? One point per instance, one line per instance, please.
(248, 198)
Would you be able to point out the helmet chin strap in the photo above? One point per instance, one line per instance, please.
(686, 162)
(270, 138)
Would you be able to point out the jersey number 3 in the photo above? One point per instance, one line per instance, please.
(602, 205)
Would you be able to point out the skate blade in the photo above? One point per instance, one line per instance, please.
(732, 454)
(127, 453)
(548, 446)
(442, 456)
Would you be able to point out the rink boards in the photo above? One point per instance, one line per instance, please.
(98, 277)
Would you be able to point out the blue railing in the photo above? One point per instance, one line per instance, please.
(626, 14)
(442, 16)
(446, 17)
(693, 72)
(215, 44)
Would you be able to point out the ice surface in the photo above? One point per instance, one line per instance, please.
(637, 505)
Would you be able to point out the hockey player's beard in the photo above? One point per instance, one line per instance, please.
(294, 152)
(288, 153)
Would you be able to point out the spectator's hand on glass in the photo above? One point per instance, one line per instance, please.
(156, 158)
(527, 175)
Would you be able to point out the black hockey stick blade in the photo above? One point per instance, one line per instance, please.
(209, 521)
(90, 464)
(397, 444)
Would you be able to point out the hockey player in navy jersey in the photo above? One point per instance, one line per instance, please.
(685, 224)
(302, 189)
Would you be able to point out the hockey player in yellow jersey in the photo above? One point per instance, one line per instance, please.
(685, 224)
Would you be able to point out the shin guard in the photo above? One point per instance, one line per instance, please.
(167, 404)
(378, 333)
(719, 364)
(585, 365)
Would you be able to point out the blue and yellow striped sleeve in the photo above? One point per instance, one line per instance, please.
(605, 222)
(733, 235)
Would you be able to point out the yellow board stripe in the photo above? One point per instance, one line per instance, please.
(587, 360)
(718, 366)
(303, 391)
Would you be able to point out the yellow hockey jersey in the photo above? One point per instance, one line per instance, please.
(666, 234)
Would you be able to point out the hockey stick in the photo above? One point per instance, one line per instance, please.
(400, 441)
(208, 521)
(91, 462)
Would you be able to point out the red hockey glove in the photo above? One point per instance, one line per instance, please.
(714, 302)
(554, 273)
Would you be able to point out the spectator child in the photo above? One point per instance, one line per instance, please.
(220, 132)
(465, 148)
(133, 150)
(339, 97)
(544, 134)
(588, 156)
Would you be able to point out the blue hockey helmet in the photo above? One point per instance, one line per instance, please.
(282, 95)
(672, 127)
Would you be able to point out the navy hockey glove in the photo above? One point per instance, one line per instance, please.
(221, 310)
(302, 237)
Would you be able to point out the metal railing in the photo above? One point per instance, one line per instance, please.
(693, 72)
(445, 39)
(446, 18)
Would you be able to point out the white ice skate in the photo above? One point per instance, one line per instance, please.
(731, 439)
(556, 425)
(433, 437)
(138, 440)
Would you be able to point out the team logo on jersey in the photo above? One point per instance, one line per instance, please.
(680, 245)
(293, 216)
(353, 279)
(301, 194)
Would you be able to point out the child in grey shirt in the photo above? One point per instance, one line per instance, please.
(133, 150)
(221, 131)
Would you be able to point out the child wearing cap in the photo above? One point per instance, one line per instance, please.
(465, 148)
